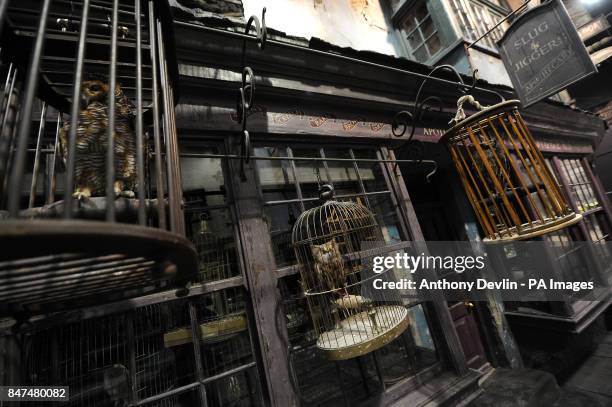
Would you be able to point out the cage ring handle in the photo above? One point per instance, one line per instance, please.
(460, 115)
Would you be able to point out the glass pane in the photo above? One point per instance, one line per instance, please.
(415, 39)
(421, 12)
(433, 44)
(371, 172)
(208, 220)
(427, 27)
(386, 216)
(280, 220)
(212, 233)
(410, 24)
(342, 173)
(421, 54)
(275, 175)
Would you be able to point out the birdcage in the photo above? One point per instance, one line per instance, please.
(90, 198)
(335, 244)
(505, 176)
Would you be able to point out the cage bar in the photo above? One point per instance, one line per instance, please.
(505, 177)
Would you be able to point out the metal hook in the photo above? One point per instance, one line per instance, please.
(432, 172)
(400, 120)
(246, 94)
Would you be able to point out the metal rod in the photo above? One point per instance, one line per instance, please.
(36, 167)
(74, 116)
(6, 141)
(170, 137)
(324, 53)
(139, 134)
(5, 96)
(26, 122)
(52, 178)
(518, 10)
(110, 149)
(279, 158)
(195, 337)
(161, 210)
(3, 7)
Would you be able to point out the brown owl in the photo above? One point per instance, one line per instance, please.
(328, 265)
(91, 142)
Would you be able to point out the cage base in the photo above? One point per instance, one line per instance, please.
(531, 232)
(357, 335)
(54, 265)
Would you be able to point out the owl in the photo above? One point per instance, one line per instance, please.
(328, 265)
(92, 141)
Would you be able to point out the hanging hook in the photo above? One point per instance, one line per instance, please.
(246, 96)
(402, 119)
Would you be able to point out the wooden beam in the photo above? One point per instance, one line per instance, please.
(259, 269)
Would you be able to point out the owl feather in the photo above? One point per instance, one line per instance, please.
(92, 142)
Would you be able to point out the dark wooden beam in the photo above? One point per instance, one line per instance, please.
(259, 269)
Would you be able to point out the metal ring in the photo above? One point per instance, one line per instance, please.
(400, 120)
(248, 86)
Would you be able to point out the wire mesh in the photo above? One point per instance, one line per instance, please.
(146, 356)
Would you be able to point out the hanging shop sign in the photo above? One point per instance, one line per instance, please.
(543, 53)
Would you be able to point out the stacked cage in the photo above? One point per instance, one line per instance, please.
(506, 178)
(335, 244)
(90, 198)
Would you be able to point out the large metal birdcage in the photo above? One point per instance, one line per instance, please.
(90, 196)
(335, 244)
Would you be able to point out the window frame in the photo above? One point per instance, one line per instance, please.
(404, 12)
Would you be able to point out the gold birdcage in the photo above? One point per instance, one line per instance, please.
(335, 244)
(505, 176)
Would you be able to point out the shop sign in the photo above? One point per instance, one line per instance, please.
(593, 27)
(543, 53)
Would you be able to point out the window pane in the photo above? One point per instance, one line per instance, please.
(421, 54)
(208, 219)
(427, 27)
(433, 44)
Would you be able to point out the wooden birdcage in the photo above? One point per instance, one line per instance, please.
(507, 180)
(90, 190)
(335, 245)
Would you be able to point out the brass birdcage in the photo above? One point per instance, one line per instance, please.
(505, 176)
(335, 245)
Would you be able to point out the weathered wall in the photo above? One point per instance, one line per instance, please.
(359, 24)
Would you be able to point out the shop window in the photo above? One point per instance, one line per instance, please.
(290, 178)
(580, 185)
(476, 18)
(208, 217)
(585, 200)
(291, 185)
(421, 33)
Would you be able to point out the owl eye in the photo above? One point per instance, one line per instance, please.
(95, 87)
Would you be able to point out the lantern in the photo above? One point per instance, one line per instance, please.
(335, 244)
(507, 181)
